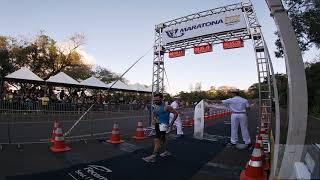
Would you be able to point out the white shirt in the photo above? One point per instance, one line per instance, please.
(174, 105)
(237, 104)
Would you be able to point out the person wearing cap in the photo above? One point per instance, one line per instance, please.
(239, 107)
(176, 106)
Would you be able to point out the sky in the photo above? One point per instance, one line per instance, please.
(119, 32)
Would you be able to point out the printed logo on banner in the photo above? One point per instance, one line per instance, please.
(176, 33)
(231, 20)
(91, 172)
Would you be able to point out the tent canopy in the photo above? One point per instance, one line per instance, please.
(94, 82)
(23, 75)
(139, 87)
(149, 89)
(119, 85)
(62, 78)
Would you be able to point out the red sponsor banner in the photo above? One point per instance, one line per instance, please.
(202, 49)
(176, 53)
(233, 44)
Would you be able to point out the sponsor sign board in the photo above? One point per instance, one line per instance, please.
(202, 49)
(233, 44)
(176, 53)
(216, 23)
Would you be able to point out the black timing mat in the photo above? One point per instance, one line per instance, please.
(189, 155)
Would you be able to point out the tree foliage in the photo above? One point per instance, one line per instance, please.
(46, 57)
(305, 17)
(313, 83)
(253, 91)
(220, 93)
(106, 75)
(42, 55)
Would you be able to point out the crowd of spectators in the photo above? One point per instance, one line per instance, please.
(76, 100)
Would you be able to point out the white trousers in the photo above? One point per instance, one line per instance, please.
(178, 124)
(243, 120)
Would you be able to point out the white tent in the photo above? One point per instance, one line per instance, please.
(62, 78)
(119, 85)
(139, 87)
(149, 89)
(23, 74)
(94, 82)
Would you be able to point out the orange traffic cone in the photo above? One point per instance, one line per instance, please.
(55, 126)
(186, 122)
(192, 122)
(219, 114)
(254, 169)
(139, 132)
(264, 134)
(266, 164)
(206, 117)
(59, 144)
(211, 115)
(115, 136)
(215, 116)
(264, 114)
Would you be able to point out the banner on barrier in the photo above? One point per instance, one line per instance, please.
(199, 120)
(212, 24)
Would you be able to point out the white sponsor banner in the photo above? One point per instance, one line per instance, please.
(198, 120)
(227, 21)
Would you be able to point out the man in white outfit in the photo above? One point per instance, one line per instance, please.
(238, 107)
(176, 106)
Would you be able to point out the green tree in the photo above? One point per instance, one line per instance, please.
(57, 59)
(106, 75)
(282, 84)
(253, 91)
(46, 57)
(42, 55)
(80, 72)
(305, 17)
(313, 83)
(5, 65)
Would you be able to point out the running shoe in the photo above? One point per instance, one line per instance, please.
(165, 154)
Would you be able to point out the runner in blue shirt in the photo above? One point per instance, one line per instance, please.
(161, 116)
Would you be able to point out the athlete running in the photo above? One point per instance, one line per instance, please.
(161, 116)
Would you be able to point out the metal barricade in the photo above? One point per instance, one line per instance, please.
(33, 123)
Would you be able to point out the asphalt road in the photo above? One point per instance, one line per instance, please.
(36, 161)
(193, 159)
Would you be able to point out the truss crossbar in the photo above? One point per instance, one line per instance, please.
(202, 14)
(208, 39)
